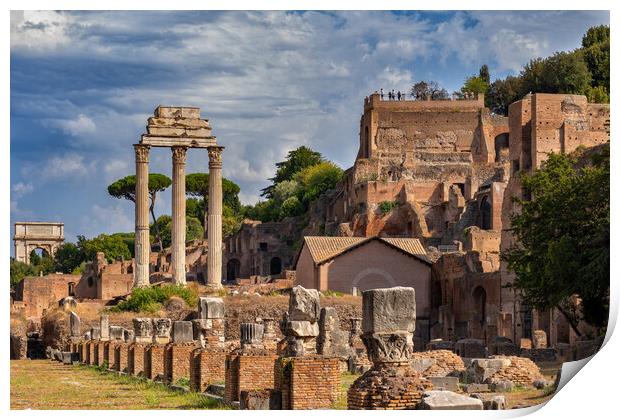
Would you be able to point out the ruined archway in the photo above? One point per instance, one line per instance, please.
(275, 266)
(501, 147)
(232, 269)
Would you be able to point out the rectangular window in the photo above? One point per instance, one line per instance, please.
(263, 246)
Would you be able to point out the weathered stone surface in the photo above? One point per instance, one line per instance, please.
(304, 305)
(116, 333)
(389, 310)
(500, 385)
(469, 388)
(302, 329)
(162, 327)
(128, 335)
(332, 341)
(251, 334)
(95, 334)
(420, 365)
(211, 308)
(182, 332)
(104, 327)
(68, 357)
(470, 347)
(74, 324)
(445, 383)
(143, 328)
(87, 335)
(440, 344)
(264, 399)
(491, 402)
(539, 339)
(479, 370)
(389, 348)
(447, 400)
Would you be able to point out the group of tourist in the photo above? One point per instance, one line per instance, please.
(393, 96)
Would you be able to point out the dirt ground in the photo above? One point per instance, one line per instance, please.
(47, 385)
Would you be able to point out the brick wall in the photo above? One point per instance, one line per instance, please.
(155, 361)
(248, 372)
(91, 353)
(177, 359)
(95, 357)
(122, 356)
(106, 353)
(307, 382)
(136, 358)
(207, 367)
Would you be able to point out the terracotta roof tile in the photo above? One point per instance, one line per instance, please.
(325, 248)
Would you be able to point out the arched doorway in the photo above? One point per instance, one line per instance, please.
(232, 269)
(275, 266)
(485, 213)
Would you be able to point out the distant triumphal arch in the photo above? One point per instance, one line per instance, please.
(29, 236)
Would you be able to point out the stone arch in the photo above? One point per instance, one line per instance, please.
(485, 213)
(275, 266)
(233, 267)
(382, 274)
(29, 236)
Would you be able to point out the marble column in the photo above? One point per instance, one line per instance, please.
(214, 222)
(142, 241)
(178, 214)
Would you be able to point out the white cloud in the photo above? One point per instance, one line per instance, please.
(57, 167)
(78, 126)
(39, 30)
(116, 218)
(21, 188)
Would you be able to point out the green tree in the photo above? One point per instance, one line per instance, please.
(19, 270)
(475, 84)
(315, 180)
(562, 249)
(296, 160)
(126, 188)
(291, 207)
(502, 93)
(596, 54)
(423, 91)
(113, 246)
(68, 257)
(484, 74)
(193, 229)
(197, 185)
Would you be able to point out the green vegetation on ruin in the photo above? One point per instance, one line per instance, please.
(152, 298)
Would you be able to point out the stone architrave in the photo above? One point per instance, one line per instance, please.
(448, 400)
(182, 332)
(162, 329)
(210, 308)
(214, 220)
(143, 328)
(178, 214)
(304, 304)
(142, 242)
(74, 324)
(104, 327)
(388, 324)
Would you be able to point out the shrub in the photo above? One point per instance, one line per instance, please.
(387, 206)
(150, 299)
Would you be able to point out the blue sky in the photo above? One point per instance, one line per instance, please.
(84, 83)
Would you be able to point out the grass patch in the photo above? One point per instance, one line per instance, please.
(332, 293)
(150, 299)
(346, 380)
(45, 385)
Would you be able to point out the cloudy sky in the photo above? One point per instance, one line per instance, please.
(83, 84)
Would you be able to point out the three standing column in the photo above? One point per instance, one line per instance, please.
(142, 240)
(178, 214)
(214, 221)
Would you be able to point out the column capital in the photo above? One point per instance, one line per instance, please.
(215, 156)
(142, 152)
(179, 153)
